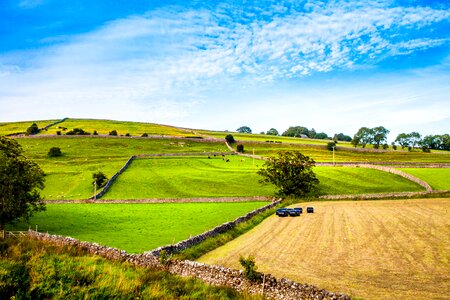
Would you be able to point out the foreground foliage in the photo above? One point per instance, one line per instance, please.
(34, 270)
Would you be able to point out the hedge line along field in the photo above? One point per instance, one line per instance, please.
(70, 176)
(346, 180)
(321, 154)
(122, 127)
(31, 269)
(386, 249)
(189, 177)
(135, 227)
(439, 179)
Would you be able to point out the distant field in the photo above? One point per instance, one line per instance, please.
(189, 177)
(439, 179)
(136, 227)
(70, 176)
(345, 180)
(122, 127)
(15, 127)
(321, 154)
(373, 249)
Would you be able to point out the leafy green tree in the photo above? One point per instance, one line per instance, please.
(230, 139)
(320, 136)
(54, 152)
(363, 137)
(20, 182)
(402, 139)
(77, 131)
(272, 131)
(250, 268)
(113, 133)
(244, 129)
(144, 134)
(379, 135)
(240, 148)
(100, 179)
(331, 146)
(296, 131)
(291, 172)
(342, 137)
(33, 129)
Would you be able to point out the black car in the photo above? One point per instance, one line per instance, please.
(310, 210)
(282, 212)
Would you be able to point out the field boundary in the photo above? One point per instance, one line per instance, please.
(382, 195)
(168, 200)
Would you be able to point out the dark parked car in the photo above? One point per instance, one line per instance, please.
(294, 212)
(282, 212)
(310, 210)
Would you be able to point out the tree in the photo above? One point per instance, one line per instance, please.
(379, 135)
(321, 136)
(54, 152)
(250, 268)
(296, 131)
(100, 179)
(291, 172)
(144, 134)
(244, 129)
(410, 140)
(113, 133)
(331, 146)
(402, 139)
(342, 137)
(20, 182)
(240, 148)
(230, 139)
(272, 131)
(77, 131)
(33, 129)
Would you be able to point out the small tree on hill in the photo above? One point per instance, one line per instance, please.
(331, 146)
(291, 172)
(100, 179)
(272, 131)
(113, 133)
(250, 268)
(230, 139)
(54, 152)
(244, 129)
(33, 129)
(240, 148)
(144, 134)
(20, 180)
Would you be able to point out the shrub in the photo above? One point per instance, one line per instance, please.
(164, 258)
(230, 139)
(331, 145)
(33, 129)
(128, 134)
(77, 131)
(113, 133)
(144, 134)
(250, 268)
(95, 132)
(240, 148)
(100, 179)
(58, 132)
(385, 146)
(54, 152)
(426, 149)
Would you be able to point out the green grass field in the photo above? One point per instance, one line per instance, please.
(345, 180)
(439, 179)
(122, 127)
(189, 177)
(16, 127)
(70, 176)
(136, 227)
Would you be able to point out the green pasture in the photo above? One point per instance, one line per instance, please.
(321, 154)
(70, 176)
(122, 127)
(136, 227)
(437, 178)
(190, 177)
(16, 127)
(346, 180)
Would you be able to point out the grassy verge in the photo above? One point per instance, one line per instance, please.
(136, 227)
(35, 270)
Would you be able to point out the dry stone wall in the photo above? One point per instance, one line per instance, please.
(271, 287)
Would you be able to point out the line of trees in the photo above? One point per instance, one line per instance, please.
(414, 140)
(373, 136)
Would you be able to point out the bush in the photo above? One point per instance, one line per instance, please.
(331, 145)
(144, 134)
(54, 152)
(33, 129)
(77, 131)
(240, 148)
(113, 133)
(100, 179)
(58, 132)
(127, 134)
(95, 132)
(426, 149)
(230, 139)
(385, 146)
(250, 268)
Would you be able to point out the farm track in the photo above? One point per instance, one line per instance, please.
(370, 249)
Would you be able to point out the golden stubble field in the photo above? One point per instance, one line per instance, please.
(390, 249)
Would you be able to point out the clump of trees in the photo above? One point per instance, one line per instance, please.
(33, 129)
(414, 140)
(272, 131)
(291, 172)
(303, 132)
(54, 152)
(77, 131)
(342, 137)
(374, 136)
(20, 182)
(244, 129)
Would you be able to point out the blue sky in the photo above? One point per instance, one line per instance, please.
(330, 65)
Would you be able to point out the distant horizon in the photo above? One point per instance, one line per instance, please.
(334, 66)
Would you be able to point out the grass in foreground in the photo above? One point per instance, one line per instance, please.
(32, 269)
(439, 179)
(136, 227)
(369, 249)
(345, 180)
(189, 177)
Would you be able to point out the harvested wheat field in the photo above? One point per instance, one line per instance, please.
(393, 249)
